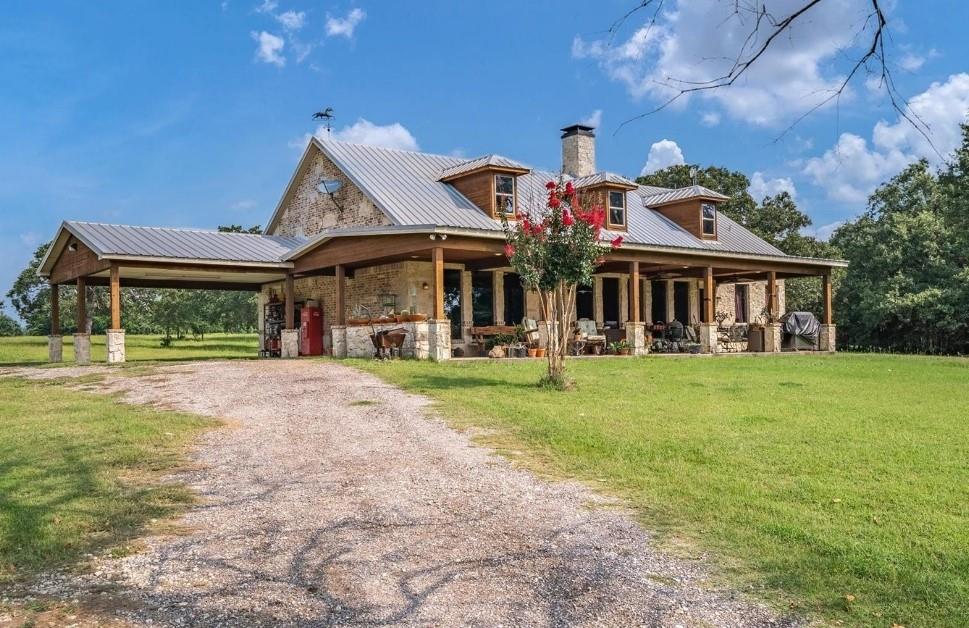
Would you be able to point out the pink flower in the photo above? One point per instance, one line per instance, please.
(617, 242)
(551, 185)
(567, 219)
(554, 202)
(569, 189)
(526, 225)
(509, 251)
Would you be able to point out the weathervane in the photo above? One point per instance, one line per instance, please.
(326, 114)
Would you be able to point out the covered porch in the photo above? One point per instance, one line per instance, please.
(461, 291)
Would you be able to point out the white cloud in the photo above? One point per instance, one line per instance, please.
(270, 48)
(693, 42)
(662, 154)
(363, 131)
(594, 119)
(761, 187)
(824, 232)
(851, 169)
(292, 20)
(344, 26)
(911, 62)
(710, 118)
(267, 6)
(244, 204)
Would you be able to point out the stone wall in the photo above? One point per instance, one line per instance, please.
(306, 211)
(756, 300)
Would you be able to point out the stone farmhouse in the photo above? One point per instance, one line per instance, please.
(362, 232)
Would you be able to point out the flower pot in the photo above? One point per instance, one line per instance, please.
(624, 351)
(417, 318)
(540, 352)
(532, 352)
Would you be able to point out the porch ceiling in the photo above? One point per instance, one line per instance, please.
(169, 276)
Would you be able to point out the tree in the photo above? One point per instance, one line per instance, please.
(8, 326)
(553, 252)
(904, 289)
(777, 219)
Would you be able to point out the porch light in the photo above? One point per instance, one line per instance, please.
(424, 286)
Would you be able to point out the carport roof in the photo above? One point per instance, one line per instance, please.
(163, 244)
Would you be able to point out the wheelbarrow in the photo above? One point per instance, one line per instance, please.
(388, 342)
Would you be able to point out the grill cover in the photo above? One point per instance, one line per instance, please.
(801, 324)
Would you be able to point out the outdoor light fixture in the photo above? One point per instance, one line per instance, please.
(424, 286)
(72, 247)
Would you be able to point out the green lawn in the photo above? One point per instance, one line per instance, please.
(33, 349)
(840, 484)
(79, 472)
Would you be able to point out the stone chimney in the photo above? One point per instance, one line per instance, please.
(579, 150)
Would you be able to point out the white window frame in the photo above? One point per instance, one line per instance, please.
(704, 220)
(499, 206)
(622, 208)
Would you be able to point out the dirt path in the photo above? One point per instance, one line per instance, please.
(332, 498)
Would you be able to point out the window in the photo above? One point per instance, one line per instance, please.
(610, 302)
(505, 194)
(452, 301)
(741, 302)
(482, 298)
(617, 209)
(709, 216)
(658, 300)
(514, 299)
(584, 304)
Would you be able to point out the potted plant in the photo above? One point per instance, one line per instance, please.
(620, 347)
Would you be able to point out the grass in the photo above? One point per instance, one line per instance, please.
(838, 486)
(33, 349)
(79, 473)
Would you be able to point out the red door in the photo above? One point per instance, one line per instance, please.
(311, 331)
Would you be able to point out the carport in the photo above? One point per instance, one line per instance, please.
(95, 254)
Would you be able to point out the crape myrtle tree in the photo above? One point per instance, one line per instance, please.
(553, 251)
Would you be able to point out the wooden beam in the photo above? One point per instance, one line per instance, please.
(290, 295)
(826, 295)
(81, 305)
(437, 260)
(634, 292)
(772, 301)
(55, 310)
(709, 295)
(115, 296)
(340, 301)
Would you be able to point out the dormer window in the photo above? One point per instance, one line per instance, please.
(708, 215)
(504, 194)
(617, 209)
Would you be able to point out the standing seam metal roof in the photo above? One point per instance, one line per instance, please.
(195, 244)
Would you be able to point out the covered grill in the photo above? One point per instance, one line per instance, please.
(801, 331)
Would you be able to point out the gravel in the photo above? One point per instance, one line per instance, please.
(332, 498)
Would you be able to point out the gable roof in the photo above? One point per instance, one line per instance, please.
(683, 194)
(406, 187)
(486, 161)
(122, 242)
(602, 178)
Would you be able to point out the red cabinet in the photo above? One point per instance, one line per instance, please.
(310, 331)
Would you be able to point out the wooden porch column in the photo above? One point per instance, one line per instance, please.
(437, 261)
(709, 295)
(772, 300)
(340, 302)
(290, 298)
(634, 309)
(55, 310)
(826, 295)
(115, 296)
(81, 305)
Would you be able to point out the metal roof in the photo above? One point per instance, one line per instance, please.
(183, 244)
(682, 194)
(496, 161)
(600, 178)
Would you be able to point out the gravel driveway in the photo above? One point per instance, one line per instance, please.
(332, 498)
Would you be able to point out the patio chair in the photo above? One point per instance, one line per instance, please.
(532, 337)
(589, 333)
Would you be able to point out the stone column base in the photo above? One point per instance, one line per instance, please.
(439, 339)
(338, 340)
(55, 349)
(82, 348)
(636, 338)
(772, 338)
(116, 352)
(827, 339)
(708, 338)
(289, 343)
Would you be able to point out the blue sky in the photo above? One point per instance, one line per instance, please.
(192, 113)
